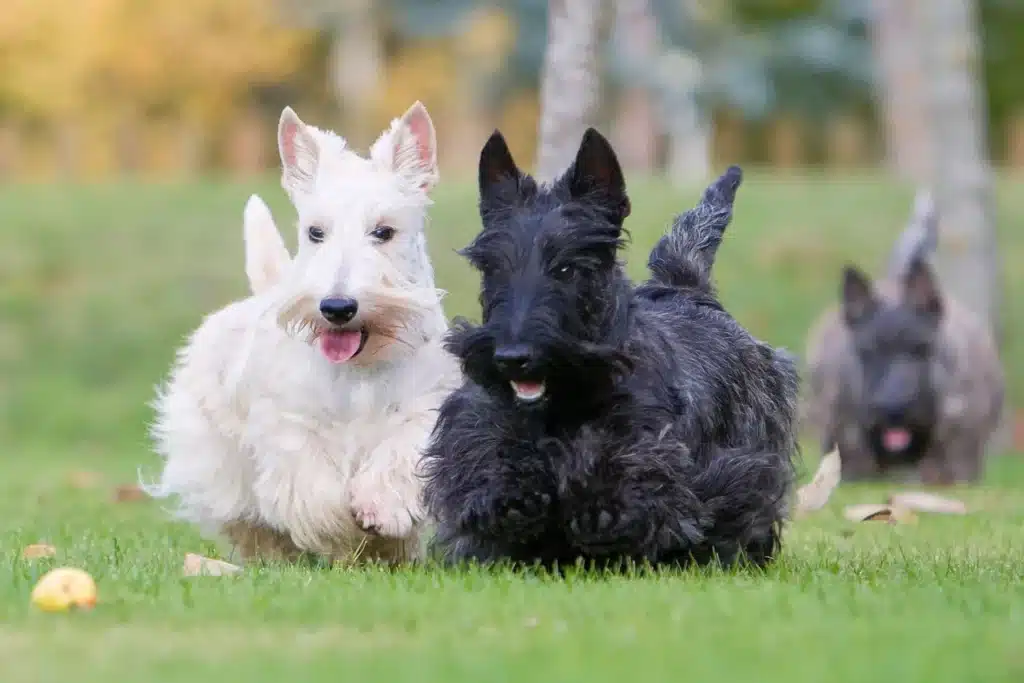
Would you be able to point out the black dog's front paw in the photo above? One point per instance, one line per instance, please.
(510, 519)
(600, 528)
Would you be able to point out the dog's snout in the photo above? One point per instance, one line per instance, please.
(513, 359)
(339, 310)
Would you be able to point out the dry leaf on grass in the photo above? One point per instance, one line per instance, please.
(197, 565)
(127, 493)
(928, 502)
(874, 512)
(818, 490)
(37, 550)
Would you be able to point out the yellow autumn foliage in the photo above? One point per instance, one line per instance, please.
(97, 57)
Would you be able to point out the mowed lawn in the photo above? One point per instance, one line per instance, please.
(99, 284)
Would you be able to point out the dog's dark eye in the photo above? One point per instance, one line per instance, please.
(564, 272)
(315, 234)
(383, 233)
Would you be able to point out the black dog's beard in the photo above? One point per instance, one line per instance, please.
(583, 371)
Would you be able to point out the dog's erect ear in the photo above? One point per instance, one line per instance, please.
(859, 300)
(299, 154)
(266, 256)
(920, 290)
(596, 172)
(409, 147)
(497, 167)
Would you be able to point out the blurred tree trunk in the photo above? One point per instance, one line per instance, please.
(961, 174)
(688, 125)
(635, 130)
(901, 94)
(355, 65)
(569, 82)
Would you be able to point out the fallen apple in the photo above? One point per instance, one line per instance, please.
(61, 589)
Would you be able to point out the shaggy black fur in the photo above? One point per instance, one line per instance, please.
(665, 431)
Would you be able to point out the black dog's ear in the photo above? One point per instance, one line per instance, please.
(596, 171)
(920, 291)
(859, 300)
(496, 164)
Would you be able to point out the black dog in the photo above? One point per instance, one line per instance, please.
(598, 420)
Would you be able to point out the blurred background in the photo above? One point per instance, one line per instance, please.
(132, 131)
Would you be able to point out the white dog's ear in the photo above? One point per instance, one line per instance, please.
(299, 154)
(266, 257)
(409, 147)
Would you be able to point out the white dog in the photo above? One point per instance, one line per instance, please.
(293, 420)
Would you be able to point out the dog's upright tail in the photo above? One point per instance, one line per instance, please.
(266, 257)
(684, 257)
(919, 239)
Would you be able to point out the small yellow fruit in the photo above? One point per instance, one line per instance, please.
(60, 589)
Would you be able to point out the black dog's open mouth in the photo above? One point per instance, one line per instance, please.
(341, 346)
(528, 390)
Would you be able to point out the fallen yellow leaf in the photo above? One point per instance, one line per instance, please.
(874, 512)
(37, 550)
(928, 502)
(816, 492)
(197, 565)
(129, 492)
(63, 588)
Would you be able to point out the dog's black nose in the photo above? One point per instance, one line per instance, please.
(513, 359)
(339, 310)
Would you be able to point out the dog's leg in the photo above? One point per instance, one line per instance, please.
(386, 489)
(958, 461)
(260, 542)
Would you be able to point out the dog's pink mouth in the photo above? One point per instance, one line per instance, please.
(528, 391)
(896, 439)
(339, 346)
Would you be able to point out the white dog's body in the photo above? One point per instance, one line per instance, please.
(279, 433)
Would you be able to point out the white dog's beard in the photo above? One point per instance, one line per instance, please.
(389, 321)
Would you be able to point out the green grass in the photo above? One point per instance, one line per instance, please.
(99, 284)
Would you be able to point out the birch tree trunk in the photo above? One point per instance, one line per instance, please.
(569, 82)
(688, 125)
(634, 133)
(961, 175)
(902, 99)
(355, 64)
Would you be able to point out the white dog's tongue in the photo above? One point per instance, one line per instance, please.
(339, 346)
(896, 439)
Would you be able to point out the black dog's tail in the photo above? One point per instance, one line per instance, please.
(684, 257)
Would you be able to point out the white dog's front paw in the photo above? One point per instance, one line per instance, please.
(381, 510)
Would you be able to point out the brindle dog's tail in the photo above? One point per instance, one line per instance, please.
(919, 239)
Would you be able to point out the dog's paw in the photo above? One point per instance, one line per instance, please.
(383, 512)
(511, 519)
(601, 529)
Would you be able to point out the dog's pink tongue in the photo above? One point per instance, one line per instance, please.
(339, 346)
(896, 439)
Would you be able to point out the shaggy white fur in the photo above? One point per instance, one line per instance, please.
(273, 437)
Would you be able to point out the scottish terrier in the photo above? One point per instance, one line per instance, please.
(602, 422)
(294, 420)
(903, 379)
